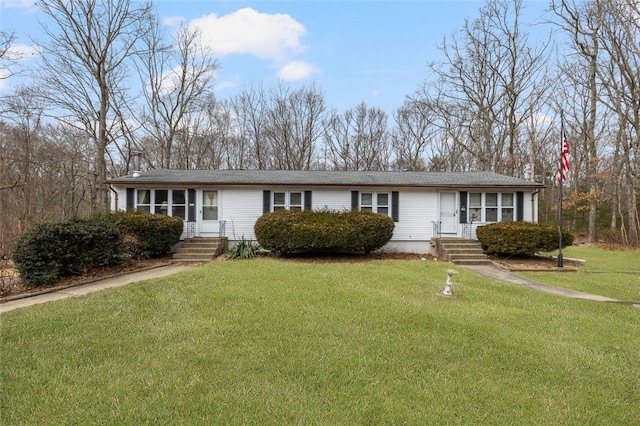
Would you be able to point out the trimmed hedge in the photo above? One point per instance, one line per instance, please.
(521, 238)
(147, 235)
(288, 231)
(49, 251)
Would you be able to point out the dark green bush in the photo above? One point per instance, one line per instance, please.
(323, 231)
(48, 251)
(521, 238)
(147, 235)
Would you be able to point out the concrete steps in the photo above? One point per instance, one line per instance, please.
(199, 250)
(460, 251)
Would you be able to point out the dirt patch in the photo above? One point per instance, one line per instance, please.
(535, 263)
(11, 285)
(348, 257)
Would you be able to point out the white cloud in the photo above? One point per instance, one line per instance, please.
(173, 21)
(274, 37)
(297, 70)
(22, 51)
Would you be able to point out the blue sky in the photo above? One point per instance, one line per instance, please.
(374, 51)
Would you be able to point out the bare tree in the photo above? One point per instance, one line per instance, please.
(358, 139)
(583, 25)
(489, 72)
(295, 120)
(85, 60)
(175, 80)
(413, 133)
(7, 57)
(250, 111)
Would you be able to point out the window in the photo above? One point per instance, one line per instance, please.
(209, 205)
(491, 207)
(366, 202)
(507, 207)
(169, 202)
(284, 200)
(475, 207)
(295, 201)
(491, 203)
(161, 204)
(375, 202)
(144, 200)
(178, 203)
(383, 204)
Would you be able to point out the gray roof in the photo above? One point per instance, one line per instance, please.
(322, 178)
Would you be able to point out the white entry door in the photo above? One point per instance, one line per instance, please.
(209, 209)
(448, 213)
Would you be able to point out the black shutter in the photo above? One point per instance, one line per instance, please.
(307, 200)
(191, 203)
(130, 203)
(520, 206)
(266, 202)
(395, 206)
(354, 200)
(463, 206)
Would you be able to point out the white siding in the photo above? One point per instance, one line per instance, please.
(241, 207)
(331, 199)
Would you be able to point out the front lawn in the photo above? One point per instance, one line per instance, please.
(612, 273)
(278, 342)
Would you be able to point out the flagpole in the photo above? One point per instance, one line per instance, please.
(561, 179)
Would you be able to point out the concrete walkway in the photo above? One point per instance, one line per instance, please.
(509, 277)
(91, 287)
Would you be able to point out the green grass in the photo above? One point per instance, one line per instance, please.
(289, 342)
(612, 273)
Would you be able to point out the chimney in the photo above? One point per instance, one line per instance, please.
(137, 160)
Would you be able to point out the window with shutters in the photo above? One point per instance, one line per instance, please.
(377, 202)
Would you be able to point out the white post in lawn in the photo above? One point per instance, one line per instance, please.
(447, 286)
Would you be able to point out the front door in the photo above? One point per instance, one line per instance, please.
(209, 212)
(448, 213)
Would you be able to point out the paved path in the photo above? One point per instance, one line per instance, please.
(510, 277)
(100, 284)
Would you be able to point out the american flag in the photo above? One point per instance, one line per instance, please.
(563, 168)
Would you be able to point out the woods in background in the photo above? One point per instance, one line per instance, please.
(491, 102)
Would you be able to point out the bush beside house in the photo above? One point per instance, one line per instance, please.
(289, 231)
(521, 238)
(47, 252)
(147, 235)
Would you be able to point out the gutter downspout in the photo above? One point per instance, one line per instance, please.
(533, 207)
(115, 197)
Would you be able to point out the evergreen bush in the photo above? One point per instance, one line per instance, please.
(47, 252)
(147, 235)
(521, 238)
(288, 231)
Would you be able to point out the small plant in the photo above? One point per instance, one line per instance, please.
(244, 249)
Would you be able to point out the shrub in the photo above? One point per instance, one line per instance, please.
(323, 231)
(147, 235)
(48, 251)
(244, 249)
(521, 238)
